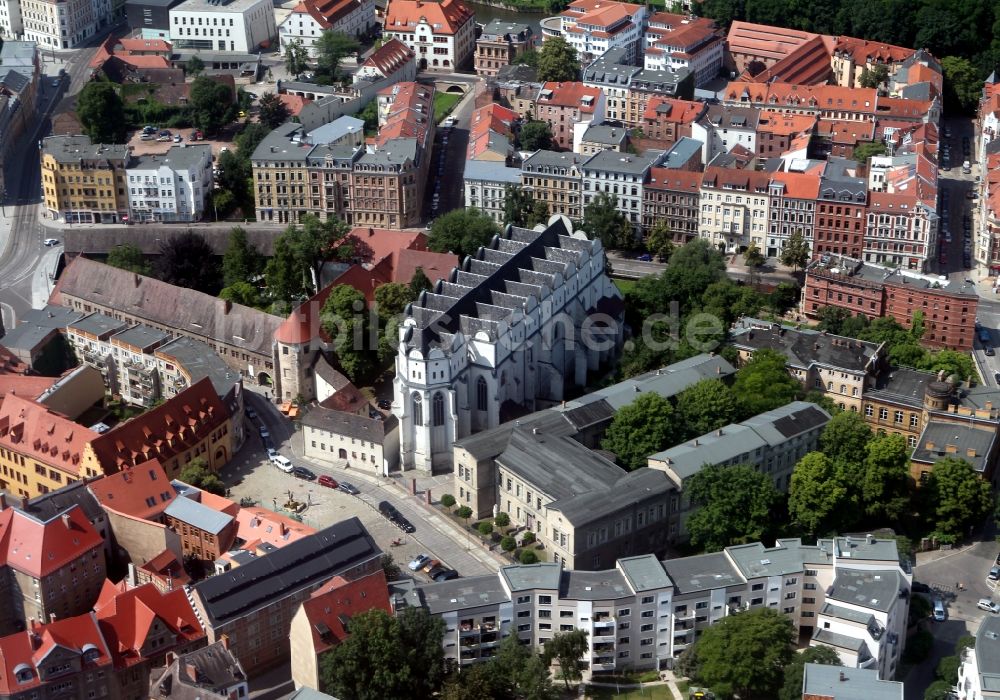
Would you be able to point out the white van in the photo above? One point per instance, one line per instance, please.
(939, 610)
(282, 463)
(966, 167)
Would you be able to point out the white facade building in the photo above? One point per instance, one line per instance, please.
(683, 41)
(310, 18)
(979, 674)
(11, 25)
(721, 128)
(505, 329)
(240, 26)
(172, 186)
(622, 175)
(61, 25)
(441, 34)
(486, 183)
(592, 27)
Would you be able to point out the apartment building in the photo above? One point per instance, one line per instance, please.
(84, 182)
(977, 676)
(644, 613)
(721, 128)
(457, 366)
(500, 44)
(441, 34)
(11, 24)
(564, 106)
(20, 68)
(840, 368)
(772, 443)
(593, 27)
(238, 26)
(360, 441)
(777, 131)
(672, 196)
(242, 337)
(53, 568)
(555, 178)
(601, 137)
(900, 230)
(734, 206)
(629, 88)
(209, 673)
(253, 604)
(392, 60)
(822, 681)
(987, 219)
(666, 119)
(40, 450)
(622, 176)
(310, 18)
(948, 309)
(792, 209)
(61, 25)
(172, 187)
(486, 184)
(852, 57)
(684, 41)
(206, 533)
(841, 209)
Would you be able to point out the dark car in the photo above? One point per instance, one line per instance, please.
(348, 488)
(446, 575)
(996, 378)
(387, 509)
(327, 481)
(645, 257)
(384, 404)
(403, 524)
(303, 473)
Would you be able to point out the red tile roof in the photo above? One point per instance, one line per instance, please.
(166, 571)
(348, 399)
(10, 363)
(26, 651)
(294, 103)
(398, 267)
(409, 114)
(903, 109)
(335, 602)
(763, 41)
(798, 185)
(846, 131)
(25, 386)
(862, 51)
(129, 616)
(146, 45)
(569, 95)
(671, 179)
(38, 547)
(445, 17)
(327, 12)
(131, 490)
(33, 430)
(163, 432)
(817, 97)
(808, 64)
(256, 526)
(674, 110)
(488, 120)
(784, 123)
(389, 57)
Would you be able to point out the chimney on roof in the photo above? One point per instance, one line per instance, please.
(227, 306)
(137, 279)
(225, 641)
(970, 452)
(842, 677)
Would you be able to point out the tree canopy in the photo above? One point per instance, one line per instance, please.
(705, 406)
(886, 486)
(957, 497)
(272, 111)
(817, 496)
(791, 688)
(566, 648)
(743, 654)
(210, 103)
(197, 474)
(640, 429)
(557, 61)
(795, 254)
(102, 112)
(419, 282)
(241, 261)
(296, 57)
(188, 261)
(603, 219)
(126, 256)
(963, 85)
(763, 383)
(299, 253)
(462, 232)
(331, 48)
(535, 135)
(515, 672)
(845, 438)
(733, 505)
(345, 320)
(660, 240)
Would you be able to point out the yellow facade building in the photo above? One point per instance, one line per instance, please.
(85, 182)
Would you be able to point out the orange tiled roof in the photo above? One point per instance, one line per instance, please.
(26, 386)
(862, 51)
(808, 64)
(142, 491)
(256, 526)
(38, 548)
(754, 181)
(327, 12)
(763, 41)
(167, 569)
(33, 430)
(10, 363)
(675, 110)
(785, 123)
(336, 601)
(130, 45)
(847, 131)
(570, 95)
(163, 432)
(445, 17)
(294, 103)
(818, 97)
(902, 109)
(671, 179)
(409, 113)
(26, 651)
(389, 57)
(798, 185)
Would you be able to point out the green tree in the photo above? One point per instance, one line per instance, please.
(692, 268)
(604, 220)
(419, 282)
(391, 299)
(296, 57)
(508, 543)
(947, 669)
(705, 406)
(188, 261)
(874, 78)
(515, 672)
(462, 232)
(210, 103)
(194, 66)
(331, 48)
(640, 429)
(241, 261)
(527, 58)
(448, 501)
(763, 383)
(795, 253)
(528, 556)
(566, 648)
(502, 519)
(386, 656)
(743, 654)
(197, 474)
(126, 256)
(557, 61)
(868, 149)
(535, 135)
(242, 293)
(845, 438)
(464, 512)
(784, 297)
(960, 498)
(733, 505)
(753, 257)
(951, 362)
(963, 85)
(273, 112)
(485, 528)
(390, 568)
(285, 280)
(101, 112)
(346, 321)
(791, 688)
(939, 690)
(886, 488)
(516, 205)
(539, 214)
(660, 240)
(818, 495)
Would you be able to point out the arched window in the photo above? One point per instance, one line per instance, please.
(418, 410)
(481, 394)
(438, 409)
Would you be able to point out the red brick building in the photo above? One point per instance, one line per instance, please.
(562, 105)
(949, 312)
(673, 196)
(840, 215)
(777, 130)
(665, 119)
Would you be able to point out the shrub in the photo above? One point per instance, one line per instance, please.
(447, 500)
(528, 556)
(464, 512)
(527, 538)
(503, 520)
(485, 528)
(508, 544)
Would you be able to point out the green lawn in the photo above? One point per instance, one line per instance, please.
(623, 285)
(652, 692)
(444, 102)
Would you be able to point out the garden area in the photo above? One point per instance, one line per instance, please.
(519, 544)
(444, 102)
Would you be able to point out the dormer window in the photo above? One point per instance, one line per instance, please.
(23, 673)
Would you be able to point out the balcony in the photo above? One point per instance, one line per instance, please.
(603, 666)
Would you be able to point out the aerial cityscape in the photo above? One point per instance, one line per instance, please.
(499, 349)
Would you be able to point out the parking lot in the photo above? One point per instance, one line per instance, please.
(154, 147)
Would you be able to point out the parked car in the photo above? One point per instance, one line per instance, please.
(989, 352)
(404, 524)
(645, 257)
(436, 570)
(49, 242)
(178, 138)
(303, 473)
(251, 413)
(348, 488)
(264, 433)
(939, 610)
(446, 575)
(419, 562)
(988, 605)
(994, 574)
(387, 510)
(432, 564)
(327, 481)
(271, 452)
(282, 463)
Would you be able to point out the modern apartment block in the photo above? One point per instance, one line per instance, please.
(172, 187)
(980, 669)
(592, 27)
(848, 593)
(84, 182)
(239, 26)
(475, 342)
(684, 41)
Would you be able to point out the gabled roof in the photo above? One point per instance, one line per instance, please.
(389, 57)
(784, 123)
(327, 12)
(331, 606)
(198, 516)
(23, 652)
(808, 64)
(32, 429)
(445, 17)
(765, 42)
(166, 570)
(671, 109)
(142, 491)
(38, 547)
(572, 94)
(256, 526)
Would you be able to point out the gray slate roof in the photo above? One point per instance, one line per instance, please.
(491, 171)
(594, 585)
(202, 517)
(969, 442)
(623, 163)
(605, 134)
(179, 157)
(141, 336)
(37, 324)
(462, 593)
(756, 561)
(988, 653)
(70, 149)
(546, 576)
(199, 360)
(98, 324)
(804, 348)
(644, 573)
(870, 589)
(835, 639)
(848, 683)
(702, 572)
(348, 424)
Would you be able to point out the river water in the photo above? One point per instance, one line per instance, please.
(486, 14)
